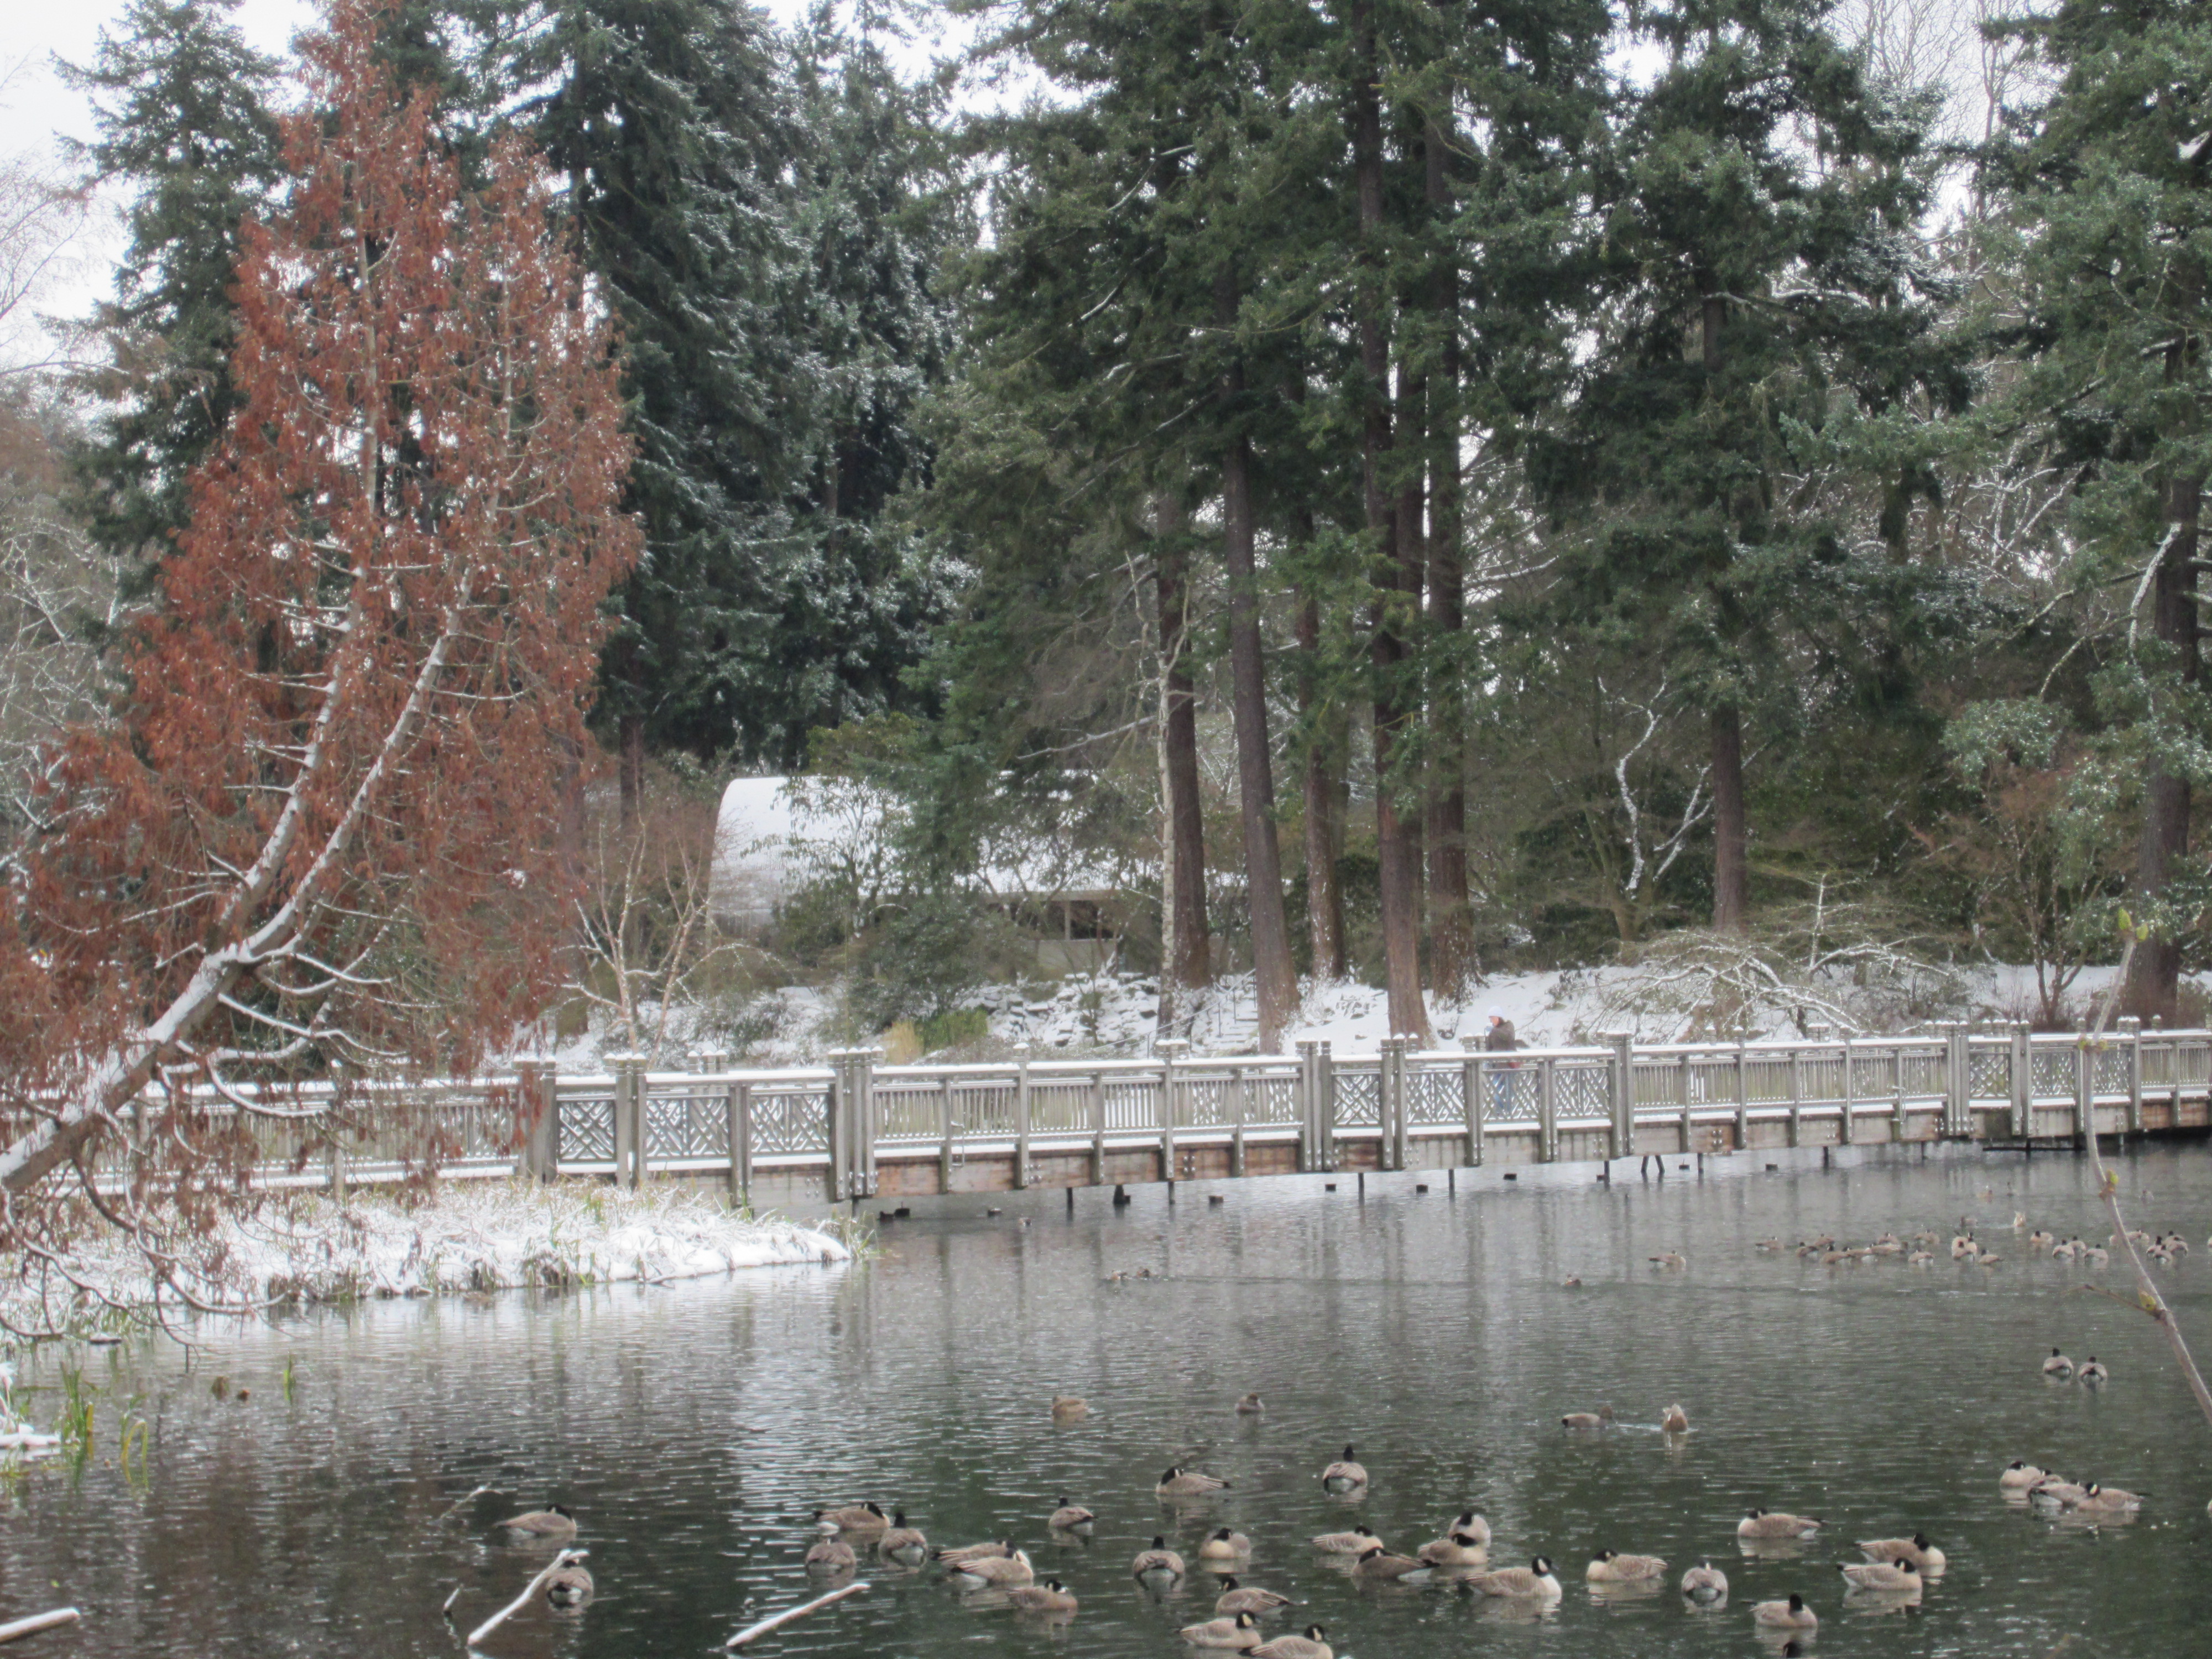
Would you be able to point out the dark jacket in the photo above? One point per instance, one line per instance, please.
(1501, 1038)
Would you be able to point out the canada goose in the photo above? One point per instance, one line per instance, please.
(1962, 1245)
(1238, 1631)
(1920, 1258)
(1223, 1544)
(2040, 1240)
(1572, 1282)
(2094, 1255)
(1247, 1598)
(1069, 1408)
(1916, 1549)
(1674, 1420)
(903, 1543)
(1987, 1259)
(1355, 1542)
(1532, 1583)
(1005, 1570)
(1596, 1419)
(1188, 1483)
(1825, 1242)
(853, 1517)
(1792, 1614)
(955, 1555)
(1250, 1406)
(1070, 1517)
(1461, 1549)
(1611, 1567)
(1888, 1244)
(1772, 1246)
(2106, 1500)
(1881, 1574)
(1668, 1259)
(2057, 1492)
(1157, 1566)
(1308, 1645)
(1763, 1523)
(2058, 1365)
(2092, 1373)
(1705, 1584)
(1344, 1474)
(552, 1521)
(1468, 1521)
(1050, 1596)
(569, 1585)
(2019, 1476)
(831, 1555)
(1379, 1565)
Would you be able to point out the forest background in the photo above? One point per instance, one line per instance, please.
(1416, 490)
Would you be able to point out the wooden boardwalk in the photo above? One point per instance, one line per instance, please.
(857, 1129)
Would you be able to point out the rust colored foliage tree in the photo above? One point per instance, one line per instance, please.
(320, 837)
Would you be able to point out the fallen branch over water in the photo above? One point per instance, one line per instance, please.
(562, 1559)
(2148, 1298)
(37, 1622)
(798, 1612)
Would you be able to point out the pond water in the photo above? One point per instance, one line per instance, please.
(694, 1428)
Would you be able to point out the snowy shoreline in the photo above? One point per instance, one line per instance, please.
(305, 1249)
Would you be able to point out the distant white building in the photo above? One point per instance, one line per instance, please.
(775, 836)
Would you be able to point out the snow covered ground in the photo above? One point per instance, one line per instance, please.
(471, 1236)
(1113, 1015)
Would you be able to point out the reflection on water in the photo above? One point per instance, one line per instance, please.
(696, 1428)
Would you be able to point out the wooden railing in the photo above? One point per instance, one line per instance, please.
(860, 1128)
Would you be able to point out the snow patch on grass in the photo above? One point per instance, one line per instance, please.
(468, 1236)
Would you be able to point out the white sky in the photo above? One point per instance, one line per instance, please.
(36, 112)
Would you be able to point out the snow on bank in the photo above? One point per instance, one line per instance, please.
(1107, 1014)
(474, 1235)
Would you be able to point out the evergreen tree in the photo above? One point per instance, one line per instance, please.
(1762, 281)
(181, 105)
(2111, 220)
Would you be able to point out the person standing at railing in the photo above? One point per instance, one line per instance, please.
(1500, 1040)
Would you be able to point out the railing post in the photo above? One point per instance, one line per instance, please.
(1742, 1096)
(2131, 1034)
(1900, 1119)
(1325, 1103)
(2019, 1073)
(865, 1120)
(2085, 1099)
(1470, 1097)
(1547, 1113)
(1240, 1081)
(837, 1119)
(1391, 1154)
(1621, 1080)
(1309, 1116)
(1169, 1051)
(1689, 1107)
(629, 1118)
(1848, 1132)
(1957, 1110)
(1796, 1094)
(1021, 1115)
(1098, 1128)
(533, 1084)
(737, 1110)
(945, 1126)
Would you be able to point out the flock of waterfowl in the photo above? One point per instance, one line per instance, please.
(998, 1572)
(1894, 1573)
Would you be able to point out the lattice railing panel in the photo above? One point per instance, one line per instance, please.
(588, 1129)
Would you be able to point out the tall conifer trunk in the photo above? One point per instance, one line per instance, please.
(1451, 932)
(1399, 871)
(1731, 838)
(2154, 974)
(1275, 981)
(1188, 955)
(1323, 783)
